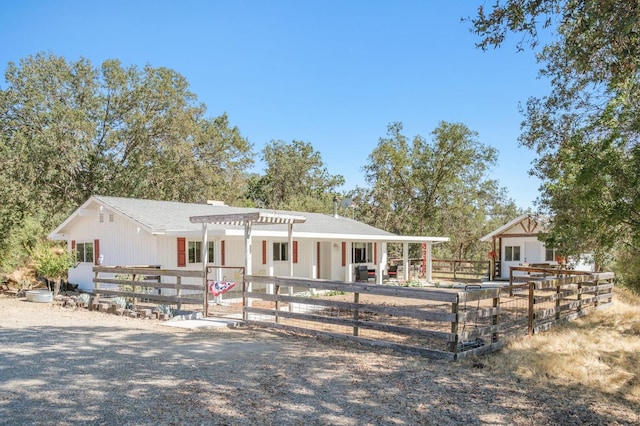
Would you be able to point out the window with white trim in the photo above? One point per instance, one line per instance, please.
(84, 252)
(362, 253)
(512, 253)
(549, 254)
(194, 251)
(280, 252)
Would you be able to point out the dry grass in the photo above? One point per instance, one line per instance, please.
(600, 352)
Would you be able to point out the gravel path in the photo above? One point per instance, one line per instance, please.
(65, 366)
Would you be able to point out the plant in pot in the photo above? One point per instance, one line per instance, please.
(52, 262)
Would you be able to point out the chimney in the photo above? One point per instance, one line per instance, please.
(335, 206)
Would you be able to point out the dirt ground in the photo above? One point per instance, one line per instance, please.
(68, 366)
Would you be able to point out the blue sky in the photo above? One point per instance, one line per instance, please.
(332, 73)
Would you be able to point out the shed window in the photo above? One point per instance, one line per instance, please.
(84, 252)
(512, 253)
(195, 251)
(549, 254)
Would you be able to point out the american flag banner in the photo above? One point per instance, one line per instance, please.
(220, 287)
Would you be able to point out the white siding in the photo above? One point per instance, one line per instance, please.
(121, 243)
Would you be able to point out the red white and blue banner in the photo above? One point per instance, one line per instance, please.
(220, 287)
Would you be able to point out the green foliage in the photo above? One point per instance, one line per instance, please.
(295, 179)
(20, 240)
(69, 130)
(435, 188)
(587, 130)
(52, 262)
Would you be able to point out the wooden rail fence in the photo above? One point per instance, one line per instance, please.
(460, 269)
(438, 323)
(435, 323)
(140, 279)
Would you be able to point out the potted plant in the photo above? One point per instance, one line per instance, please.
(52, 262)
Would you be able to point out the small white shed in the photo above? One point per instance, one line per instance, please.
(516, 243)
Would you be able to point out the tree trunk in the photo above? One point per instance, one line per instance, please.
(56, 287)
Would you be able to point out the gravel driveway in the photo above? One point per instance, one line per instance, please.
(66, 366)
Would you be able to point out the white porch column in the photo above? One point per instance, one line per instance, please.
(428, 274)
(205, 259)
(290, 248)
(247, 260)
(405, 261)
(381, 261)
(348, 276)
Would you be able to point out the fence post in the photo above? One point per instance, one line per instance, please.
(356, 314)
(453, 347)
(595, 295)
(531, 305)
(495, 317)
(453, 264)
(579, 298)
(278, 302)
(558, 301)
(96, 284)
(134, 300)
(179, 292)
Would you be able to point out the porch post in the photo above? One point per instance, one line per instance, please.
(428, 274)
(205, 259)
(381, 262)
(247, 261)
(290, 249)
(405, 261)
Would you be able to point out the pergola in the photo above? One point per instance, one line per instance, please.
(248, 220)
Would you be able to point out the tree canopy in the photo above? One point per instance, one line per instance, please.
(295, 179)
(69, 130)
(586, 131)
(439, 187)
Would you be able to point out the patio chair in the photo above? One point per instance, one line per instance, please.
(392, 271)
(362, 273)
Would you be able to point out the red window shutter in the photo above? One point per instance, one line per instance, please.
(222, 252)
(73, 244)
(344, 253)
(182, 252)
(96, 252)
(295, 252)
(264, 252)
(375, 252)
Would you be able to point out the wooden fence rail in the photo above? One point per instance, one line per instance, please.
(438, 323)
(140, 279)
(460, 269)
(426, 321)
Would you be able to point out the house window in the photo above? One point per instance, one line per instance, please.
(111, 217)
(101, 218)
(195, 251)
(512, 253)
(84, 252)
(549, 254)
(362, 253)
(280, 251)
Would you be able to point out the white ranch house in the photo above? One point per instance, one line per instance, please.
(516, 244)
(114, 231)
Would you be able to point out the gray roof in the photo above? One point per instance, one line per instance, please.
(170, 217)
